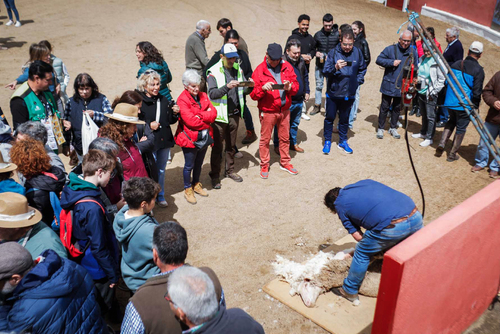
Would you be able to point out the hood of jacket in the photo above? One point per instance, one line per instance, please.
(77, 189)
(11, 186)
(125, 229)
(52, 180)
(296, 31)
(154, 66)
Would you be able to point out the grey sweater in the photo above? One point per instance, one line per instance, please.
(196, 54)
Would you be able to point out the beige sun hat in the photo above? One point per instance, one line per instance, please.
(6, 167)
(126, 113)
(15, 212)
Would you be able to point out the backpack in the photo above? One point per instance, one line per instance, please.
(66, 231)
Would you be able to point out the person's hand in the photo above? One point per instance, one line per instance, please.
(250, 79)
(176, 109)
(58, 89)
(340, 64)
(397, 62)
(144, 138)
(154, 125)
(319, 54)
(112, 285)
(357, 236)
(90, 112)
(12, 85)
(306, 97)
(497, 104)
(231, 84)
(288, 85)
(65, 150)
(121, 203)
(268, 86)
(67, 125)
(307, 58)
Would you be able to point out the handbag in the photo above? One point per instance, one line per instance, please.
(204, 139)
(148, 159)
(89, 132)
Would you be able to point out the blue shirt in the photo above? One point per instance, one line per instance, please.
(371, 205)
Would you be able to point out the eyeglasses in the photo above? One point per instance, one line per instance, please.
(167, 298)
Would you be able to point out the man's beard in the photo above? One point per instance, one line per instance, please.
(8, 288)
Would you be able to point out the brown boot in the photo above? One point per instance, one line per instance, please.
(189, 195)
(198, 188)
(316, 109)
(457, 142)
(442, 143)
(250, 137)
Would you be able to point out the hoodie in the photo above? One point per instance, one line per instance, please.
(92, 229)
(307, 42)
(136, 238)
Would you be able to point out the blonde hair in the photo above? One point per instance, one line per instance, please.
(147, 78)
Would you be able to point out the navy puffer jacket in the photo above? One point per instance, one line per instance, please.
(56, 296)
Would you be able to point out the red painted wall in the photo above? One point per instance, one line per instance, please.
(479, 11)
(443, 277)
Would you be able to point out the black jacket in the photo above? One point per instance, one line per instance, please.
(454, 52)
(326, 41)
(302, 73)
(307, 42)
(362, 44)
(163, 135)
(38, 189)
(149, 144)
(245, 64)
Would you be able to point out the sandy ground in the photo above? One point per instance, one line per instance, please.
(239, 229)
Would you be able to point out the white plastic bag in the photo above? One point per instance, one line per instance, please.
(89, 132)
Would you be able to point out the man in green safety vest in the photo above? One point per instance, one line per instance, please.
(226, 95)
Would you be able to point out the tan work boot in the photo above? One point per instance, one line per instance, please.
(189, 195)
(198, 188)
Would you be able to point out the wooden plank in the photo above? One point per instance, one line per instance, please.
(331, 312)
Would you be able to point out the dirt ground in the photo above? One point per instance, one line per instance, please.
(239, 229)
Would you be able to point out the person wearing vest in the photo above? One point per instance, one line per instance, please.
(228, 99)
(33, 102)
(148, 311)
(88, 100)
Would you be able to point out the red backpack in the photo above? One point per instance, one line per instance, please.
(66, 231)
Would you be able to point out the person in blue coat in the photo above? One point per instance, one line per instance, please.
(345, 69)
(150, 58)
(48, 295)
(393, 58)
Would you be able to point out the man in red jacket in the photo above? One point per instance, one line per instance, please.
(275, 84)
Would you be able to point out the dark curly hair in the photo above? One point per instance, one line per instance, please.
(114, 130)
(331, 197)
(151, 53)
(30, 157)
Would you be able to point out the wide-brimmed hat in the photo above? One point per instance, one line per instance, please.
(126, 113)
(15, 212)
(6, 167)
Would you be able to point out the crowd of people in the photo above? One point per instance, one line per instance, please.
(68, 240)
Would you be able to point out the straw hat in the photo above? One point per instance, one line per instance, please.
(15, 212)
(6, 167)
(126, 113)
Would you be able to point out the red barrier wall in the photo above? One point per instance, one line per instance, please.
(443, 277)
(479, 11)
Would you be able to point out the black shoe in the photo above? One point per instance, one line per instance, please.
(440, 124)
(216, 184)
(341, 293)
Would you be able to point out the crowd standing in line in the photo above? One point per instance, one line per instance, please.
(103, 210)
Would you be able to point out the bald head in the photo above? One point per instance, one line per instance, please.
(405, 39)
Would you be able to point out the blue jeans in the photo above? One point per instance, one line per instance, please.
(344, 108)
(442, 114)
(320, 80)
(354, 110)
(11, 7)
(375, 242)
(161, 157)
(295, 114)
(193, 161)
(247, 117)
(482, 153)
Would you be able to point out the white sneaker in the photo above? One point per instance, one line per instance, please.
(238, 155)
(18, 24)
(400, 125)
(305, 117)
(9, 23)
(417, 135)
(426, 143)
(394, 133)
(380, 133)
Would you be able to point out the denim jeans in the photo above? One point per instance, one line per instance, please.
(482, 153)
(354, 110)
(247, 117)
(343, 107)
(374, 242)
(11, 7)
(442, 114)
(161, 157)
(320, 80)
(295, 114)
(193, 161)
(428, 110)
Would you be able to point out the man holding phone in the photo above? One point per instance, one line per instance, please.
(345, 69)
(275, 84)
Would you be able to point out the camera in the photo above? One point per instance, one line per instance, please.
(419, 85)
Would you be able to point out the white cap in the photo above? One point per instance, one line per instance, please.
(476, 47)
(230, 51)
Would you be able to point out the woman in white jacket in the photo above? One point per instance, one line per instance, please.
(430, 82)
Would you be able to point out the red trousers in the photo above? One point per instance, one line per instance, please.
(267, 122)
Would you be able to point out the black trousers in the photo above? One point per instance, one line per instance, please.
(385, 108)
(458, 119)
